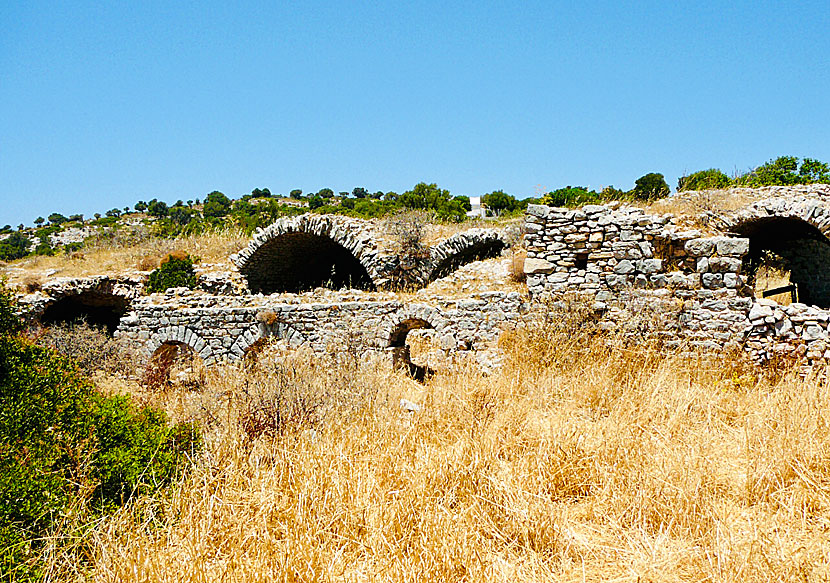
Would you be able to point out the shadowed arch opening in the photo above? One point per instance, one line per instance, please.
(476, 252)
(787, 252)
(402, 351)
(298, 261)
(95, 308)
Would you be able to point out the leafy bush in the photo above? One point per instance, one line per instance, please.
(650, 186)
(786, 171)
(176, 270)
(15, 246)
(65, 448)
(711, 179)
(570, 196)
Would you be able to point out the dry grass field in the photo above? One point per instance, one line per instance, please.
(582, 460)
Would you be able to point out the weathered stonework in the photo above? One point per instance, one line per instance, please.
(622, 259)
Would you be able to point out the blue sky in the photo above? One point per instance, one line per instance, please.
(105, 103)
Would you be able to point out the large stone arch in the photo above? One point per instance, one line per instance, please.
(463, 248)
(795, 232)
(181, 335)
(260, 330)
(299, 253)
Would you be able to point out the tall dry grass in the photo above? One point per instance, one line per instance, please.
(582, 460)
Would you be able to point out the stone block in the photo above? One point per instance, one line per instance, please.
(535, 266)
(733, 247)
(699, 247)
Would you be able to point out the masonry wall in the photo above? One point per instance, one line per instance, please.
(223, 327)
(622, 256)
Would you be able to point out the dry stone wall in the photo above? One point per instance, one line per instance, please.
(224, 327)
(623, 256)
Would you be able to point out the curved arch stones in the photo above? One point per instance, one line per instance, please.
(413, 312)
(463, 248)
(184, 335)
(260, 330)
(353, 235)
(807, 209)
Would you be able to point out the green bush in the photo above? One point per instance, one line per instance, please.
(786, 171)
(66, 449)
(711, 179)
(571, 196)
(15, 246)
(650, 186)
(176, 270)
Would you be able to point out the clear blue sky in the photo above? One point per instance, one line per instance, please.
(105, 103)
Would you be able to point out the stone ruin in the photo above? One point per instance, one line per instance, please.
(325, 283)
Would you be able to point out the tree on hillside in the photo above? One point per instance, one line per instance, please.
(650, 186)
(216, 205)
(360, 192)
(157, 208)
(57, 218)
(39, 221)
(499, 201)
(296, 194)
(325, 193)
(140, 206)
(315, 202)
(15, 246)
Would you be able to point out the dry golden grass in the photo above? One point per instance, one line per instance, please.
(113, 258)
(580, 461)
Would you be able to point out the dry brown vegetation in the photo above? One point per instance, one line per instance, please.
(581, 460)
(114, 255)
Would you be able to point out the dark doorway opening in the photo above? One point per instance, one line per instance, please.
(789, 256)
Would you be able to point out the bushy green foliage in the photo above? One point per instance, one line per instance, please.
(499, 201)
(429, 197)
(216, 205)
(60, 440)
(15, 246)
(711, 179)
(571, 196)
(650, 186)
(176, 270)
(786, 171)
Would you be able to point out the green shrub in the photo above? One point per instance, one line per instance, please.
(570, 196)
(67, 449)
(176, 270)
(711, 179)
(786, 171)
(650, 186)
(15, 246)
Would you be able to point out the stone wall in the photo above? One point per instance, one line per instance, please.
(620, 255)
(224, 327)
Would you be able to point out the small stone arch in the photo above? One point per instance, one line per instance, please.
(463, 248)
(398, 327)
(792, 235)
(262, 330)
(181, 335)
(295, 254)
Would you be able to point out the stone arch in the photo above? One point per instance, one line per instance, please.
(261, 330)
(181, 335)
(463, 248)
(398, 327)
(300, 253)
(97, 308)
(793, 234)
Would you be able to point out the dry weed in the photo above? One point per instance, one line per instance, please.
(583, 459)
